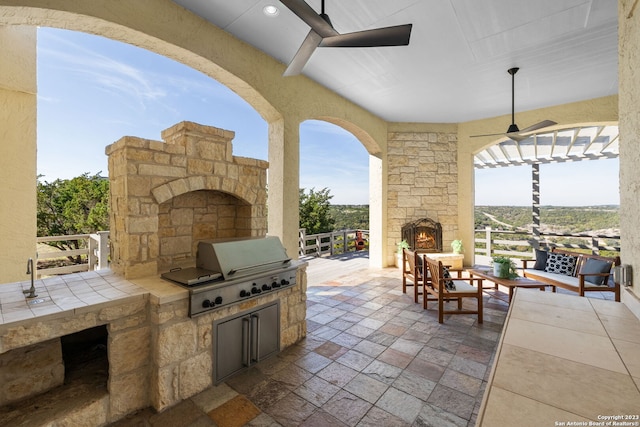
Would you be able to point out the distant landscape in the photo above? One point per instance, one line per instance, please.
(558, 219)
(553, 219)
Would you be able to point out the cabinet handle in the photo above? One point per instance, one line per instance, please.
(257, 337)
(246, 343)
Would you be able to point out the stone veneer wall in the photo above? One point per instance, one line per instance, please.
(129, 351)
(423, 180)
(31, 370)
(185, 220)
(629, 107)
(146, 174)
(183, 360)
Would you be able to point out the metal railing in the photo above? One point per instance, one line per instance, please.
(93, 252)
(518, 244)
(332, 243)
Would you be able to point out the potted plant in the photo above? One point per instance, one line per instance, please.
(504, 267)
(456, 245)
(401, 245)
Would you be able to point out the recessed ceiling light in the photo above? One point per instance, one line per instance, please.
(271, 10)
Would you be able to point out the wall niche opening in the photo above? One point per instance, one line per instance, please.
(85, 356)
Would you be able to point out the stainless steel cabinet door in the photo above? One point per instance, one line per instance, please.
(231, 346)
(245, 339)
(265, 336)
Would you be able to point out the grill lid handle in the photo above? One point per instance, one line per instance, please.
(247, 267)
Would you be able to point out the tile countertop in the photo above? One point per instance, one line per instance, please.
(564, 359)
(79, 291)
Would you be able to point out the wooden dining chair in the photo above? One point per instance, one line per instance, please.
(443, 289)
(412, 270)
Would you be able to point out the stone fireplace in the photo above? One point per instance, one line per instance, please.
(167, 196)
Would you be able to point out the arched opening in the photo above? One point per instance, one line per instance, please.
(92, 91)
(343, 165)
(558, 187)
(334, 176)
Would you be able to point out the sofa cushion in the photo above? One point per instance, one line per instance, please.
(595, 266)
(543, 276)
(541, 259)
(560, 264)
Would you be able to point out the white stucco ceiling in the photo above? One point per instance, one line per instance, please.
(455, 67)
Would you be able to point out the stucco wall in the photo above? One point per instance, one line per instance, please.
(629, 102)
(17, 151)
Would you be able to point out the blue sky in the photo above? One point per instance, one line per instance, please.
(586, 183)
(92, 91)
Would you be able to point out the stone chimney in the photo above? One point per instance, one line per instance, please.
(167, 196)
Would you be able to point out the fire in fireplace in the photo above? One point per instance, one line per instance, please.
(424, 235)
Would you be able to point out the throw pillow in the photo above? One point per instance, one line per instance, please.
(560, 263)
(595, 266)
(448, 283)
(541, 259)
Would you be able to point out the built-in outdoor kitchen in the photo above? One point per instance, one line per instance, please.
(196, 291)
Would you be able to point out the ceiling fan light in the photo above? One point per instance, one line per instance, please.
(513, 128)
(271, 11)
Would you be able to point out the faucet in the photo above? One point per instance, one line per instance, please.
(31, 293)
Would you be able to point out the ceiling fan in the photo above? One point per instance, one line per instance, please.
(513, 132)
(322, 34)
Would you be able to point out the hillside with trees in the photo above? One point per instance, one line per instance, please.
(350, 217)
(556, 219)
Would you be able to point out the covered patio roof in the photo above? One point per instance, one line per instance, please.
(555, 145)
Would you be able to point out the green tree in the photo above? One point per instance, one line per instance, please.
(315, 215)
(73, 206)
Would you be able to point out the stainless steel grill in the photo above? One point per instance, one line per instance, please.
(229, 271)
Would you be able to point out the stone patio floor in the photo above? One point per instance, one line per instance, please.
(372, 357)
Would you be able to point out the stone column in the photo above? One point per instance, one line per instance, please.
(629, 92)
(284, 182)
(18, 105)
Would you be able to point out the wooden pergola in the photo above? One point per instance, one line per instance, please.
(551, 145)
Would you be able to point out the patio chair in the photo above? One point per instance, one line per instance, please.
(445, 289)
(413, 271)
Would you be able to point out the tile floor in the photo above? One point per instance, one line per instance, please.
(372, 357)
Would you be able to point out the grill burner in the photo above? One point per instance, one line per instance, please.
(229, 271)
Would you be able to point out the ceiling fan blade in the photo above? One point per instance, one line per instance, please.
(537, 126)
(303, 54)
(515, 136)
(310, 17)
(526, 133)
(487, 134)
(388, 36)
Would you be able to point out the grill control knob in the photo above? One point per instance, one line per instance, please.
(255, 290)
(275, 285)
(266, 287)
(206, 304)
(284, 282)
(218, 300)
(244, 294)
